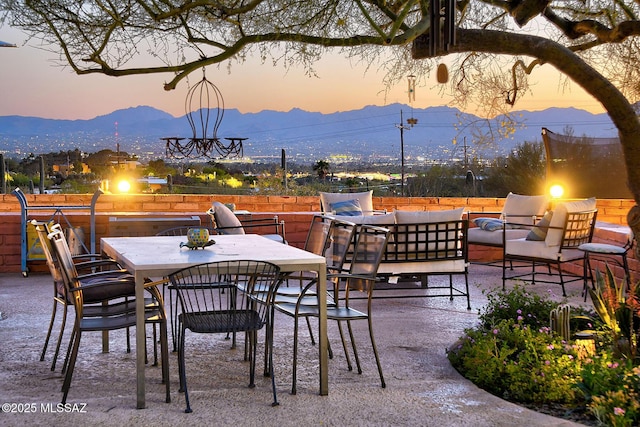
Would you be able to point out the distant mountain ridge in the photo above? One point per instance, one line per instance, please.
(369, 133)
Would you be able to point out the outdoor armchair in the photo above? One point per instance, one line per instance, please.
(520, 211)
(226, 222)
(553, 242)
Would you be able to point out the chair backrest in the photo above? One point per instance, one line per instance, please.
(369, 250)
(225, 220)
(578, 228)
(43, 230)
(339, 243)
(67, 267)
(559, 220)
(210, 300)
(318, 235)
(370, 245)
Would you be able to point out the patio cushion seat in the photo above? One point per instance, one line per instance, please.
(494, 238)
(538, 249)
(436, 267)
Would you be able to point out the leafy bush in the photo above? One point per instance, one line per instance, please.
(518, 363)
(517, 304)
(513, 354)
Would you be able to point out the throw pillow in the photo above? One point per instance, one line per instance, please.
(226, 220)
(539, 231)
(488, 224)
(346, 208)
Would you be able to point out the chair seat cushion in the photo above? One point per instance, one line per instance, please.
(602, 248)
(538, 249)
(118, 289)
(417, 267)
(494, 238)
(275, 237)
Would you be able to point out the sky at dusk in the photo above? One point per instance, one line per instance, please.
(32, 85)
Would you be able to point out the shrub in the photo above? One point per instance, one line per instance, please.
(517, 304)
(612, 388)
(513, 354)
(518, 363)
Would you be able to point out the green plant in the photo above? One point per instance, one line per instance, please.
(516, 304)
(612, 389)
(619, 311)
(518, 362)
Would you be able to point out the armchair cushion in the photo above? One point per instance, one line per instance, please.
(523, 206)
(346, 208)
(423, 217)
(364, 198)
(478, 236)
(556, 232)
(538, 249)
(226, 218)
(539, 232)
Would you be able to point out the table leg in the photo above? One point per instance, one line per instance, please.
(140, 341)
(322, 331)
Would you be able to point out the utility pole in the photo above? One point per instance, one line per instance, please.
(402, 128)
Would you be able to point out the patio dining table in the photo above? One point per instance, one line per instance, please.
(158, 256)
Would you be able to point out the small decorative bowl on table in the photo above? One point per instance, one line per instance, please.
(197, 238)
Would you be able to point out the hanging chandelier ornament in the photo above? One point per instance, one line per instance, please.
(205, 141)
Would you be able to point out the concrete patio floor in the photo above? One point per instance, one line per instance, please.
(412, 337)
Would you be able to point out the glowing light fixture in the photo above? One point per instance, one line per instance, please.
(556, 191)
(124, 186)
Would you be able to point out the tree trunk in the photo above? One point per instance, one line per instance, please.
(570, 64)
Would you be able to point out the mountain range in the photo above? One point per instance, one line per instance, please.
(372, 133)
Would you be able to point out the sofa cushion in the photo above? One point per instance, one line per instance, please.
(364, 198)
(423, 217)
(518, 207)
(477, 235)
(346, 208)
(535, 249)
(555, 234)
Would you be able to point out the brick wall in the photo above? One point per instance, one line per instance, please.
(295, 211)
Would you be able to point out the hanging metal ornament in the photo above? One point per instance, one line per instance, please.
(205, 141)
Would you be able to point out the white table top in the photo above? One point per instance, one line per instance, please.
(163, 254)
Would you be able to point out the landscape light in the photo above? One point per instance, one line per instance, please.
(124, 186)
(556, 191)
